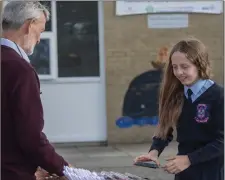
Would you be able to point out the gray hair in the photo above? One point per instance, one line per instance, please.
(17, 12)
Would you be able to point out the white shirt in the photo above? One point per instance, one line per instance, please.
(198, 88)
(16, 47)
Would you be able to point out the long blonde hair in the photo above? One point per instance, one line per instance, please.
(171, 94)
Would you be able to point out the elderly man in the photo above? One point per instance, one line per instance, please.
(24, 145)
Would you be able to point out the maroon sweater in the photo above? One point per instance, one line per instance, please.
(24, 146)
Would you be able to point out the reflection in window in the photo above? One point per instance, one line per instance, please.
(40, 59)
(77, 31)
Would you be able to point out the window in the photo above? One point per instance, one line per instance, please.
(77, 38)
(41, 56)
(69, 46)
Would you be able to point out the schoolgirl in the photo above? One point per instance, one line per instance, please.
(193, 104)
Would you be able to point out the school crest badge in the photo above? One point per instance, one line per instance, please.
(202, 114)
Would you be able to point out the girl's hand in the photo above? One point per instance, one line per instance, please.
(151, 156)
(177, 164)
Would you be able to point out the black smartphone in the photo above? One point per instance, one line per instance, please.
(148, 164)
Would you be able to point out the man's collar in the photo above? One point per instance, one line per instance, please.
(196, 87)
(16, 47)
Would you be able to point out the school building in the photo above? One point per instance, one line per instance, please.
(92, 50)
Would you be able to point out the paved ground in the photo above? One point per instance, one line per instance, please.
(117, 158)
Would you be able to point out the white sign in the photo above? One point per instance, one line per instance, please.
(167, 21)
(133, 7)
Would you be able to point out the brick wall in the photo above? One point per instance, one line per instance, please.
(130, 46)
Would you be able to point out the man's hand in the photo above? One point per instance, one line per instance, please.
(177, 164)
(41, 174)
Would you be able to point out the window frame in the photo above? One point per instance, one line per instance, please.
(52, 35)
(52, 57)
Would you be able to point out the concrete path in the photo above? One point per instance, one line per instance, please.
(117, 158)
